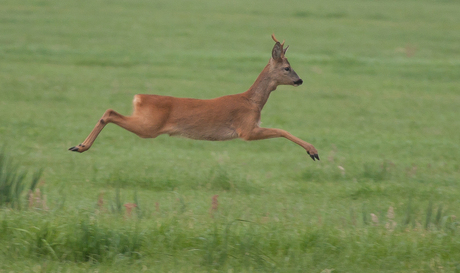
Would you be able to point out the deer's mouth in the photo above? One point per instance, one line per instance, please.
(298, 82)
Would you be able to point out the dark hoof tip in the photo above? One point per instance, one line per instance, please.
(314, 157)
(74, 149)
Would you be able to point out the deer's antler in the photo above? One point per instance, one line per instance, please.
(276, 40)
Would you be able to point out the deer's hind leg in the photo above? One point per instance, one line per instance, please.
(110, 116)
(139, 123)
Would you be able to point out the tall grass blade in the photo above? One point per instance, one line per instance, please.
(35, 179)
(117, 205)
(139, 211)
(438, 218)
(407, 217)
(429, 212)
(12, 182)
(365, 218)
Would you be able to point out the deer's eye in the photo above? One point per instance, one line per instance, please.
(287, 68)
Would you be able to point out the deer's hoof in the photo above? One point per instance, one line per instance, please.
(314, 156)
(73, 149)
(79, 148)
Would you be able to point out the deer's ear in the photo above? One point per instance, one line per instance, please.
(277, 51)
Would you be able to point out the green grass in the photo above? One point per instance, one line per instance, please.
(12, 182)
(379, 101)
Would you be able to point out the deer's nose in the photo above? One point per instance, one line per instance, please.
(298, 82)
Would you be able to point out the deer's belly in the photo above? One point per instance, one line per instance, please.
(211, 134)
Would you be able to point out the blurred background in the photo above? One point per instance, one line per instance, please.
(380, 102)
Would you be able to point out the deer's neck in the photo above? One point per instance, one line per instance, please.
(261, 89)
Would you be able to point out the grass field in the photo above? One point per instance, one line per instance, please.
(380, 102)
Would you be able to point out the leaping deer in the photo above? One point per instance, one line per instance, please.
(223, 118)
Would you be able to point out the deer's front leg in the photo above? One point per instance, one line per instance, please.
(265, 133)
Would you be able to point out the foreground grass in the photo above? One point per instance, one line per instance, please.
(379, 102)
(292, 241)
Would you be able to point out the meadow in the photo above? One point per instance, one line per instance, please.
(380, 102)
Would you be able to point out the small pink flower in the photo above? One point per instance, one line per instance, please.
(129, 207)
(214, 205)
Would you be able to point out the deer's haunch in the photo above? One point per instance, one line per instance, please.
(223, 118)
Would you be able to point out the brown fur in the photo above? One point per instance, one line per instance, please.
(223, 118)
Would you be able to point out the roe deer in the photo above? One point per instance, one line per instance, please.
(223, 118)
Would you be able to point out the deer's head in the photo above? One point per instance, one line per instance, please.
(280, 68)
